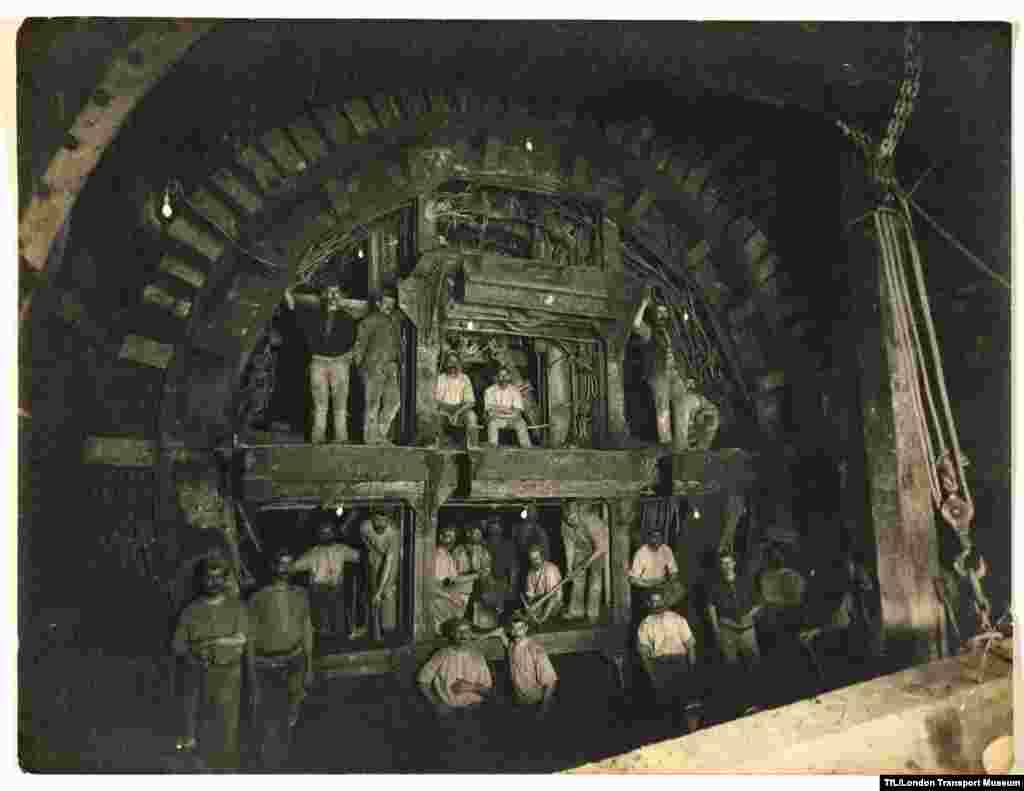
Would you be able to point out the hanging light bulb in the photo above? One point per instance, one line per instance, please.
(167, 210)
(361, 254)
(339, 510)
(529, 144)
(686, 315)
(696, 513)
(522, 514)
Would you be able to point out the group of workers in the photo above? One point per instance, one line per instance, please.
(271, 633)
(685, 418)
(490, 585)
(484, 580)
(337, 342)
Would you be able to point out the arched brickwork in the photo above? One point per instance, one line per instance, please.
(344, 166)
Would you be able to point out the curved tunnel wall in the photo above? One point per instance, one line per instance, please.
(153, 380)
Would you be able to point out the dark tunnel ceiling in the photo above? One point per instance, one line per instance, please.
(248, 76)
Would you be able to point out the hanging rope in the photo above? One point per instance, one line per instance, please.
(921, 359)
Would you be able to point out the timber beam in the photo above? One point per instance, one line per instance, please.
(334, 472)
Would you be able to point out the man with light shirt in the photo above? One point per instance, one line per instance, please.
(668, 652)
(654, 567)
(456, 677)
(533, 676)
(503, 405)
(542, 578)
(453, 393)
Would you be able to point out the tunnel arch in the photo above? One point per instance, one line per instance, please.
(302, 181)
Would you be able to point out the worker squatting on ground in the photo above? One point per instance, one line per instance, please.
(330, 333)
(586, 544)
(654, 567)
(503, 406)
(733, 605)
(685, 419)
(456, 677)
(383, 543)
(326, 565)
(542, 579)
(281, 640)
(451, 590)
(668, 653)
(212, 637)
(456, 402)
(533, 676)
(377, 353)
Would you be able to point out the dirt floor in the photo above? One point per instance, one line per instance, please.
(116, 714)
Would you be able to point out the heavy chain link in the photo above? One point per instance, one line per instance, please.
(880, 159)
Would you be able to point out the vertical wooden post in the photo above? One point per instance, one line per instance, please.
(615, 276)
(623, 513)
(426, 543)
(897, 517)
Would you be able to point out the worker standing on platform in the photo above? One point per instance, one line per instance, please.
(282, 646)
(733, 605)
(377, 352)
(677, 405)
(586, 543)
(668, 653)
(654, 568)
(503, 405)
(456, 401)
(330, 333)
(326, 566)
(212, 636)
(504, 562)
(383, 545)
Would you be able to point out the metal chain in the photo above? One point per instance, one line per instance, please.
(880, 160)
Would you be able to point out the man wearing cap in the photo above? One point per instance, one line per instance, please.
(282, 645)
(382, 540)
(330, 333)
(586, 543)
(451, 589)
(453, 393)
(456, 677)
(503, 406)
(542, 578)
(533, 676)
(377, 352)
(654, 568)
(668, 653)
(326, 566)
(676, 403)
(212, 636)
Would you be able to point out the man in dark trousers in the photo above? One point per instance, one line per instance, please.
(326, 563)
(212, 637)
(281, 638)
(330, 332)
(377, 352)
(733, 605)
